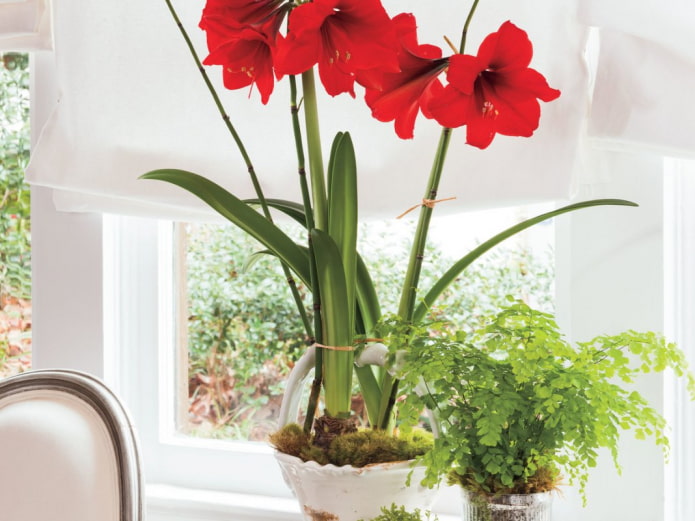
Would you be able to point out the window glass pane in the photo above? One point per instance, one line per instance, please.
(15, 229)
(244, 333)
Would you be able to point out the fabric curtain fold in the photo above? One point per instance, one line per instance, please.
(645, 75)
(25, 25)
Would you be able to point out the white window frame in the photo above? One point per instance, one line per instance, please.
(87, 267)
(680, 326)
(144, 271)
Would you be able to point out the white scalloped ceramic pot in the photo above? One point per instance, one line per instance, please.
(330, 493)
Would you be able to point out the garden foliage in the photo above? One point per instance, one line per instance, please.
(15, 265)
(15, 228)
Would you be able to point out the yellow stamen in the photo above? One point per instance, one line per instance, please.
(489, 110)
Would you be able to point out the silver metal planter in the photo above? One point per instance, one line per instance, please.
(508, 507)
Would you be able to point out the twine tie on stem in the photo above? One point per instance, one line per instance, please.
(347, 348)
(429, 203)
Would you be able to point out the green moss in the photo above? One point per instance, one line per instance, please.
(291, 439)
(545, 479)
(396, 513)
(358, 449)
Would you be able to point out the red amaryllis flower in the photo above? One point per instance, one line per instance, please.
(494, 92)
(343, 37)
(245, 53)
(401, 95)
(242, 12)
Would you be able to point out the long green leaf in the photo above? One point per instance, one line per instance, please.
(468, 259)
(371, 392)
(342, 209)
(239, 213)
(338, 332)
(331, 159)
(369, 312)
(289, 208)
(367, 298)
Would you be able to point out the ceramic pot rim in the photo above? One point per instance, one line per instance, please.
(344, 469)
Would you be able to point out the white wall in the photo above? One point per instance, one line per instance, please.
(66, 262)
(611, 278)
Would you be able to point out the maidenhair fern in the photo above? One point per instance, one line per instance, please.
(515, 400)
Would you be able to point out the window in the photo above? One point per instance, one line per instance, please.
(609, 274)
(148, 376)
(244, 333)
(15, 223)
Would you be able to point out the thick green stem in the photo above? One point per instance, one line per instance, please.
(336, 332)
(306, 198)
(215, 97)
(316, 170)
(319, 219)
(417, 252)
(412, 277)
(464, 33)
(315, 390)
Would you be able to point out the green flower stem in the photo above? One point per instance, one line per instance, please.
(218, 104)
(301, 161)
(306, 198)
(315, 390)
(247, 160)
(412, 276)
(320, 215)
(464, 33)
(316, 171)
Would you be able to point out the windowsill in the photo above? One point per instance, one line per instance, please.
(169, 502)
(165, 502)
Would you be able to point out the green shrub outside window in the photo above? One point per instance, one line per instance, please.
(15, 227)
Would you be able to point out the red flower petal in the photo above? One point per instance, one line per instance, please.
(450, 107)
(463, 72)
(399, 96)
(246, 57)
(241, 36)
(242, 12)
(343, 37)
(508, 48)
(293, 56)
(494, 92)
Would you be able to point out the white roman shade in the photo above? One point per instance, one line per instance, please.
(646, 75)
(131, 100)
(25, 25)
